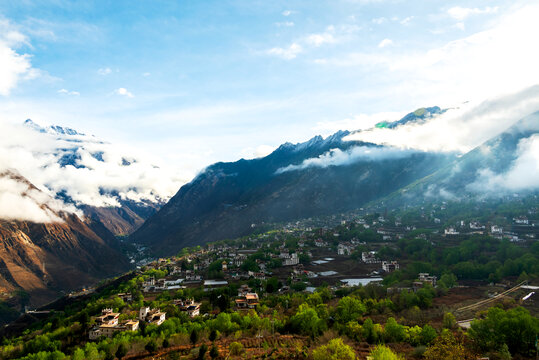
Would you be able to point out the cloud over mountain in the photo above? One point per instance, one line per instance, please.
(77, 168)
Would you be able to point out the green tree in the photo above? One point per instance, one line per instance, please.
(235, 348)
(348, 309)
(194, 336)
(122, 350)
(151, 346)
(202, 350)
(307, 322)
(394, 332)
(449, 321)
(334, 350)
(447, 347)
(214, 352)
(382, 352)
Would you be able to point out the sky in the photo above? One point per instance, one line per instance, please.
(195, 82)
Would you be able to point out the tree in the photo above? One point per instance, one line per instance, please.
(235, 348)
(194, 336)
(447, 347)
(122, 350)
(349, 308)
(428, 334)
(449, 321)
(369, 331)
(382, 352)
(306, 321)
(394, 332)
(515, 327)
(151, 346)
(214, 352)
(334, 350)
(202, 350)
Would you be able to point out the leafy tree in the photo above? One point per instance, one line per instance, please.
(213, 335)
(151, 346)
(202, 350)
(194, 336)
(369, 332)
(306, 321)
(122, 350)
(447, 347)
(214, 352)
(394, 332)
(449, 321)
(235, 348)
(428, 334)
(334, 350)
(349, 308)
(382, 352)
(515, 327)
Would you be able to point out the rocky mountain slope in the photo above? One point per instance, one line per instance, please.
(44, 259)
(318, 177)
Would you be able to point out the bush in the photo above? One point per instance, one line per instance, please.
(235, 348)
(382, 352)
(334, 350)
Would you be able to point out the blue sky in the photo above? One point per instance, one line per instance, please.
(196, 82)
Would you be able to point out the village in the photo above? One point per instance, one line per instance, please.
(299, 257)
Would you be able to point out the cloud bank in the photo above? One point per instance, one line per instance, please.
(337, 157)
(20, 201)
(522, 175)
(80, 167)
(13, 66)
(460, 129)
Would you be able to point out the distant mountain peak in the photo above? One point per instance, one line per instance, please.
(418, 115)
(52, 129)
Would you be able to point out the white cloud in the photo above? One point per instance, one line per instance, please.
(13, 66)
(379, 20)
(337, 157)
(104, 71)
(320, 39)
(97, 174)
(384, 43)
(461, 13)
(407, 20)
(67, 92)
(486, 64)
(522, 175)
(123, 92)
(459, 129)
(287, 12)
(284, 24)
(286, 53)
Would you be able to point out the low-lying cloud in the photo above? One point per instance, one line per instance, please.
(80, 168)
(459, 129)
(337, 157)
(20, 201)
(522, 175)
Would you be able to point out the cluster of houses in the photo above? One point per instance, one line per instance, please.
(108, 324)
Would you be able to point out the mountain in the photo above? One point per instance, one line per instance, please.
(499, 166)
(108, 184)
(317, 177)
(45, 259)
(418, 116)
